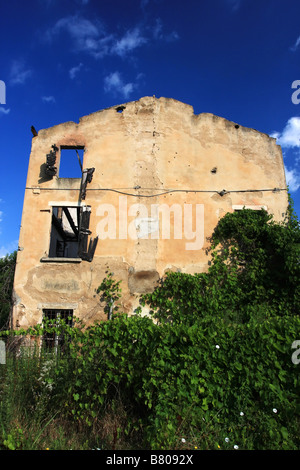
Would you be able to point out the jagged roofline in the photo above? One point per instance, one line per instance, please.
(162, 98)
(188, 107)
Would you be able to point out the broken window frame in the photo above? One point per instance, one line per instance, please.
(62, 226)
(51, 169)
(85, 175)
(85, 248)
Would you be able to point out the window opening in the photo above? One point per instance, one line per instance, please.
(51, 318)
(64, 235)
(71, 160)
(69, 237)
(255, 208)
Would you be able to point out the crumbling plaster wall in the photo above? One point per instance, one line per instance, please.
(152, 146)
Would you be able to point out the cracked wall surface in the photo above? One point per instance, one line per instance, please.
(154, 160)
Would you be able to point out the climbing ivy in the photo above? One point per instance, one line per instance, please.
(254, 271)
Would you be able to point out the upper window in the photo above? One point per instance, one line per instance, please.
(71, 161)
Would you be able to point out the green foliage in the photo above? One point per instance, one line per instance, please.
(265, 257)
(110, 294)
(254, 271)
(178, 380)
(7, 271)
(13, 441)
(213, 372)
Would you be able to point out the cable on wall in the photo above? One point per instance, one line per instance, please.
(167, 191)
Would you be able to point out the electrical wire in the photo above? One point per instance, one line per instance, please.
(167, 191)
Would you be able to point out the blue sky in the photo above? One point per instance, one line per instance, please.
(63, 59)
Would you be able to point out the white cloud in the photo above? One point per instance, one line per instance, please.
(131, 40)
(275, 134)
(92, 37)
(114, 83)
(83, 32)
(4, 111)
(48, 99)
(290, 136)
(75, 70)
(296, 45)
(292, 179)
(289, 140)
(19, 73)
(9, 248)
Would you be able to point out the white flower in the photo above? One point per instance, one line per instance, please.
(274, 410)
(241, 413)
(183, 440)
(217, 346)
(226, 439)
(236, 447)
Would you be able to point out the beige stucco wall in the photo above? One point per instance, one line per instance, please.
(151, 147)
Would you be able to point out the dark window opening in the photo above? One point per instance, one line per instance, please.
(64, 237)
(52, 318)
(71, 161)
(257, 211)
(69, 237)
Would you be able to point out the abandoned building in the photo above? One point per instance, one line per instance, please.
(136, 190)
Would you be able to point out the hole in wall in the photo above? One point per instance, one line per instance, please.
(71, 160)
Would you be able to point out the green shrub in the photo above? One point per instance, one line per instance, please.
(215, 370)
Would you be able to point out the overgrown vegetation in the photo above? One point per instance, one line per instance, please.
(7, 271)
(215, 370)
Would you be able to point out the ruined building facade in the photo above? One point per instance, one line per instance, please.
(152, 179)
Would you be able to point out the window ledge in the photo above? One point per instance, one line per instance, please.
(61, 260)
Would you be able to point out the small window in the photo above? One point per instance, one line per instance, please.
(252, 207)
(52, 317)
(71, 161)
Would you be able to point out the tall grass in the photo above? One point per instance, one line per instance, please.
(35, 405)
(32, 417)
